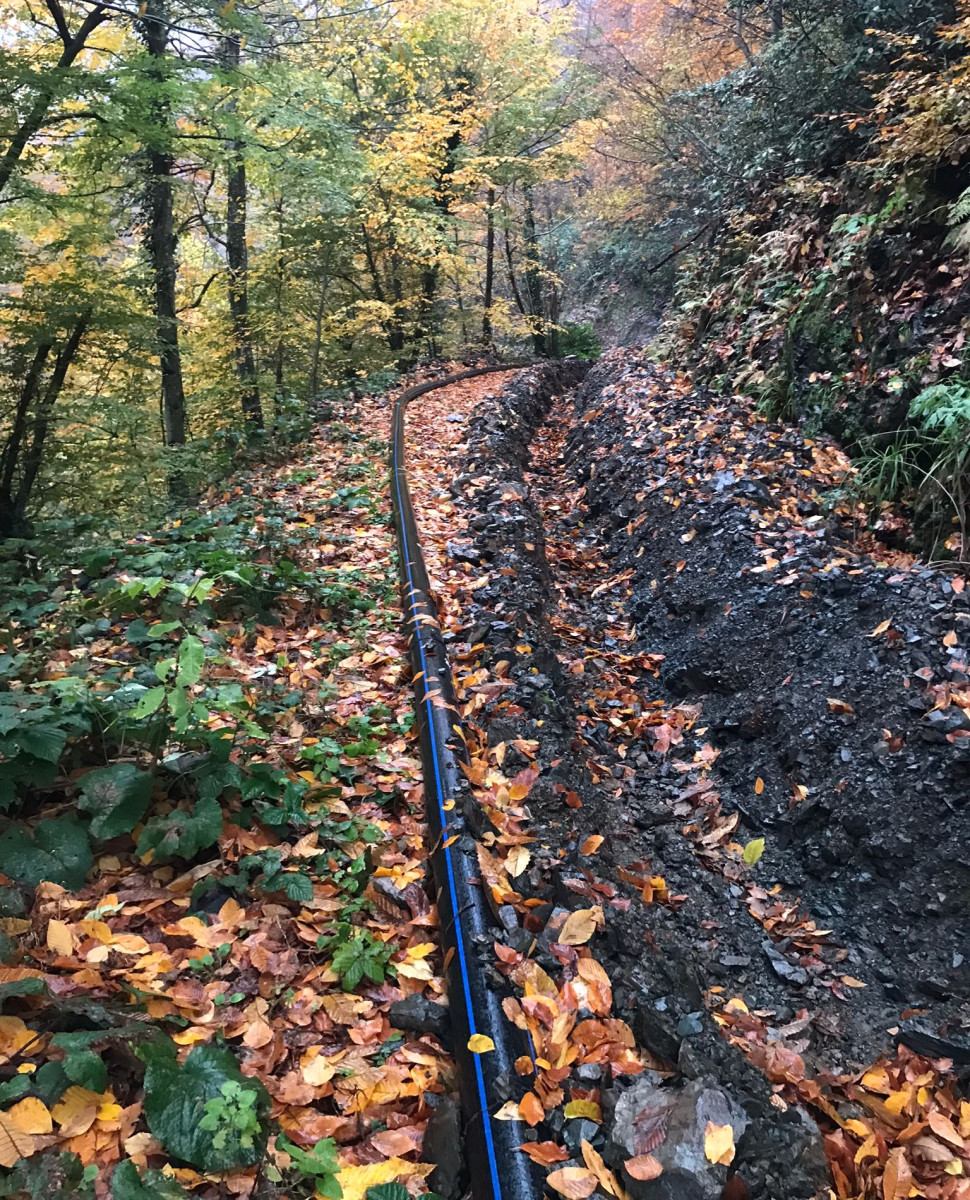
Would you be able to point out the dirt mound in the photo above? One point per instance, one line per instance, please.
(834, 685)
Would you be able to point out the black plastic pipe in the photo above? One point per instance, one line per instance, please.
(498, 1169)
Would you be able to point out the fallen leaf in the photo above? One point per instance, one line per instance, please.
(753, 851)
(76, 1111)
(575, 1183)
(607, 1180)
(354, 1181)
(718, 1143)
(580, 926)
(545, 1153)
(59, 938)
(517, 860)
(897, 1177)
(592, 844)
(31, 1115)
(584, 1108)
(14, 1143)
(643, 1167)
(530, 1109)
(480, 1043)
(880, 628)
(759, 786)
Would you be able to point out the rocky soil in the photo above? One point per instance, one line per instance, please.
(708, 660)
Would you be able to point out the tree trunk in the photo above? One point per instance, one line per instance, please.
(279, 353)
(34, 454)
(161, 238)
(533, 277)
(50, 85)
(487, 337)
(23, 451)
(237, 253)
(314, 385)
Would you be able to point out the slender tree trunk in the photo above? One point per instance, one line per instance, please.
(23, 451)
(533, 277)
(487, 337)
(34, 454)
(279, 355)
(50, 86)
(513, 283)
(318, 340)
(237, 252)
(162, 240)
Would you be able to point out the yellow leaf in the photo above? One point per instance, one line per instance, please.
(354, 1181)
(480, 1043)
(584, 1108)
(31, 1116)
(14, 1143)
(76, 1110)
(607, 1180)
(719, 1143)
(14, 1036)
(517, 860)
(60, 940)
(580, 926)
(753, 851)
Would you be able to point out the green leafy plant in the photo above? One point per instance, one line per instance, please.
(319, 1163)
(357, 955)
(183, 832)
(232, 1119)
(204, 1110)
(117, 798)
(54, 850)
(128, 1184)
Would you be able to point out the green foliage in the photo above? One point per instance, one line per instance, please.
(128, 1184)
(357, 955)
(233, 1120)
(54, 850)
(204, 1111)
(580, 340)
(318, 1164)
(117, 797)
(50, 1177)
(183, 832)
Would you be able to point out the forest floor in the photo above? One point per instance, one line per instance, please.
(723, 737)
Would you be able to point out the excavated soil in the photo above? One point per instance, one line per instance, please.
(708, 660)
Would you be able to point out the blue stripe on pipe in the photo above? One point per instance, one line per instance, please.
(459, 943)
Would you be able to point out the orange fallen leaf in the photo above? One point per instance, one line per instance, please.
(592, 844)
(530, 1109)
(545, 1153)
(575, 1183)
(897, 1177)
(643, 1167)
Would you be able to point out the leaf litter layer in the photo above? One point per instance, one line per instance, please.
(216, 884)
(625, 780)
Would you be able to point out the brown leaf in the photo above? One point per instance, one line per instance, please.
(897, 1177)
(545, 1153)
(580, 926)
(643, 1166)
(575, 1183)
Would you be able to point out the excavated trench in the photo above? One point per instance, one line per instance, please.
(687, 709)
